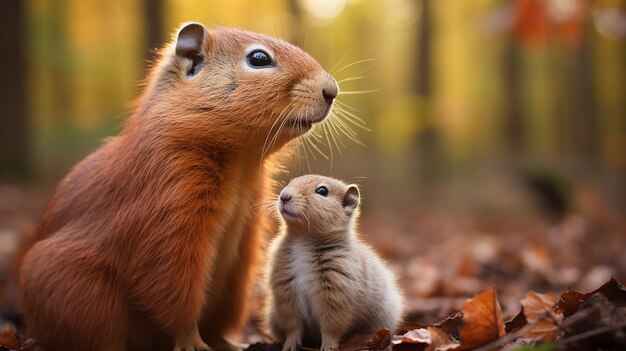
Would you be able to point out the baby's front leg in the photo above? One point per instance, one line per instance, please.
(335, 316)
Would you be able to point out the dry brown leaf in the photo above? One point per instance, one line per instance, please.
(435, 339)
(440, 340)
(415, 336)
(570, 301)
(516, 322)
(377, 341)
(483, 321)
(539, 310)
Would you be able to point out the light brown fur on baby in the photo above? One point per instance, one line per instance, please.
(323, 282)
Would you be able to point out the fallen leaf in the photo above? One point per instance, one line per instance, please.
(427, 339)
(516, 322)
(440, 340)
(377, 341)
(380, 340)
(599, 324)
(539, 311)
(415, 336)
(451, 323)
(483, 322)
(571, 300)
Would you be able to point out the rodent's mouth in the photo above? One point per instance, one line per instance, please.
(288, 215)
(305, 123)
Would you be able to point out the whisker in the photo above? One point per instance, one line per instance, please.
(306, 36)
(306, 219)
(330, 147)
(335, 136)
(301, 141)
(356, 92)
(364, 70)
(351, 79)
(280, 128)
(264, 150)
(354, 119)
(307, 147)
(340, 61)
(343, 104)
(351, 64)
(316, 137)
(348, 132)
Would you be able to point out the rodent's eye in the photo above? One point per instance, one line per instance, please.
(260, 59)
(322, 190)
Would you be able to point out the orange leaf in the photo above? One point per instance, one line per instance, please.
(483, 321)
(539, 310)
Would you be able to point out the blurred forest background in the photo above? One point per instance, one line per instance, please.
(497, 150)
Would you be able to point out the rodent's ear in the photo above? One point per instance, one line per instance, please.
(350, 200)
(190, 44)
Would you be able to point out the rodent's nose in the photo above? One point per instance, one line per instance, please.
(284, 196)
(330, 92)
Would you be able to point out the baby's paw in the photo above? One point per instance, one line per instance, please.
(292, 343)
(329, 345)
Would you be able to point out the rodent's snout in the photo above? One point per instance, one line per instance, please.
(285, 196)
(330, 89)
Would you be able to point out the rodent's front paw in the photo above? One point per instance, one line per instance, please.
(202, 347)
(195, 345)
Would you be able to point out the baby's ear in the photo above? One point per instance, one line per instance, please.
(191, 43)
(350, 200)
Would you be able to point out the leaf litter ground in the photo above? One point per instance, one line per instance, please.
(472, 281)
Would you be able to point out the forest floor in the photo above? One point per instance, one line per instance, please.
(443, 258)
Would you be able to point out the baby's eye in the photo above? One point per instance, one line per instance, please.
(260, 59)
(322, 190)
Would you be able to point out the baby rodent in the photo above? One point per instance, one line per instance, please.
(324, 283)
(150, 243)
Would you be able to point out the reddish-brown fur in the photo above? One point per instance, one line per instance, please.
(154, 235)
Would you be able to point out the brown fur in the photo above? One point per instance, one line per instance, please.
(150, 243)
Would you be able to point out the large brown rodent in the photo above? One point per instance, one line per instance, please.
(150, 242)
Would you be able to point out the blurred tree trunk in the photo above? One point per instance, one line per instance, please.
(14, 139)
(62, 61)
(583, 100)
(297, 37)
(423, 84)
(153, 10)
(512, 97)
(427, 142)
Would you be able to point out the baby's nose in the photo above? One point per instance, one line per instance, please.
(285, 196)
